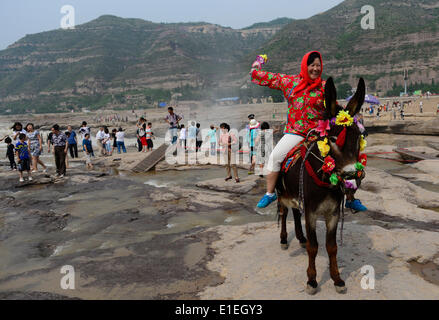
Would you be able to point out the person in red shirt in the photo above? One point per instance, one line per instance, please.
(305, 95)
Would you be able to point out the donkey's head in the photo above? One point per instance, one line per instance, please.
(344, 134)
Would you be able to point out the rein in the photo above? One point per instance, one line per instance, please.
(309, 168)
(342, 221)
(301, 175)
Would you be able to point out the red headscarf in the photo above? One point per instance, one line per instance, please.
(307, 82)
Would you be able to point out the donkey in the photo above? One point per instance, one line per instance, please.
(321, 200)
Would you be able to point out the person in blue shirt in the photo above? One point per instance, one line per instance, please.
(253, 132)
(73, 143)
(88, 150)
(22, 151)
(212, 135)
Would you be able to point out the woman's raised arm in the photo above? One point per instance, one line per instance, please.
(278, 81)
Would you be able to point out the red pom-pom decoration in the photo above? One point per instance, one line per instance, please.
(362, 159)
(329, 164)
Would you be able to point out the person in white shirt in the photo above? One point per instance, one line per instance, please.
(100, 135)
(17, 128)
(183, 136)
(120, 141)
(84, 130)
(192, 136)
(149, 135)
(107, 141)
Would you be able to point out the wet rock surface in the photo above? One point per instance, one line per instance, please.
(254, 266)
(245, 185)
(33, 295)
(188, 234)
(113, 231)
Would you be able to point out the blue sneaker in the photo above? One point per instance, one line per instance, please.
(266, 200)
(355, 205)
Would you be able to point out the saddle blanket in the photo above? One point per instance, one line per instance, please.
(295, 154)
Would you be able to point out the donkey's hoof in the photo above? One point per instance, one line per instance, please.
(310, 290)
(284, 246)
(341, 290)
(303, 245)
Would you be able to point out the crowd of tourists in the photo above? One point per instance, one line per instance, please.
(221, 140)
(25, 146)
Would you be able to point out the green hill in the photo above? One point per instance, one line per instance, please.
(99, 62)
(123, 63)
(279, 22)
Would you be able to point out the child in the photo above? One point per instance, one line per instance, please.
(88, 150)
(253, 132)
(22, 151)
(149, 136)
(142, 135)
(10, 154)
(183, 136)
(264, 143)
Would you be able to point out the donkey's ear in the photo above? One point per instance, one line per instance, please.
(331, 97)
(357, 100)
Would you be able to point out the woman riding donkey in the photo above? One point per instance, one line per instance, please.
(305, 95)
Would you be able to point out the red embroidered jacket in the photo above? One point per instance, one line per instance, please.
(304, 110)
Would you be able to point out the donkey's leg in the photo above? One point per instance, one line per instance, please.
(283, 212)
(312, 247)
(298, 228)
(331, 248)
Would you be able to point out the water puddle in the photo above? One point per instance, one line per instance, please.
(429, 208)
(427, 185)
(157, 184)
(428, 271)
(400, 141)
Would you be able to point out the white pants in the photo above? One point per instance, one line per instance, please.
(277, 156)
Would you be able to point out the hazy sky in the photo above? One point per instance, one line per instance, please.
(21, 17)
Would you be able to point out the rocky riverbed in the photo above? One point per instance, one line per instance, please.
(182, 232)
